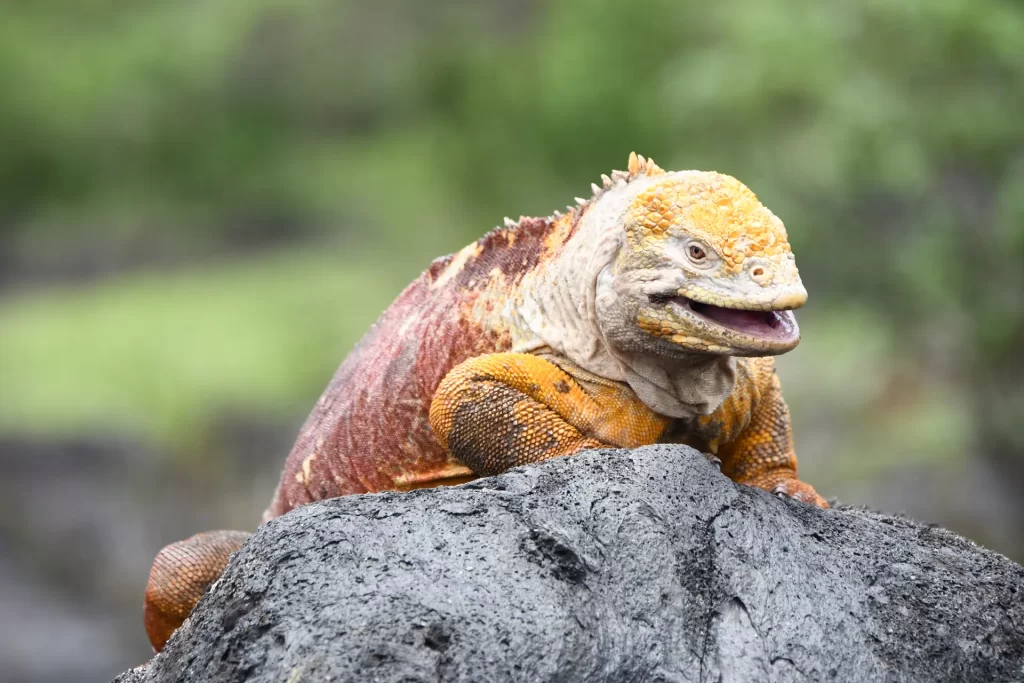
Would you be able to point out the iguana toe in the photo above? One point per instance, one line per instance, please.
(799, 490)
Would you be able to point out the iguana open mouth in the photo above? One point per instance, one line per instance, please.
(776, 326)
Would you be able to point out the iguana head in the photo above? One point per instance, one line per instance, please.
(704, 267)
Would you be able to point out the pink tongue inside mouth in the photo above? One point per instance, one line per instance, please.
(753, 322)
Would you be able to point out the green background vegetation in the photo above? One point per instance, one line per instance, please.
(203, 204)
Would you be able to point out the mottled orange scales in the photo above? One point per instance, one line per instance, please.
(751, 433)
(506, 409)
(180, 575)
(716, 207)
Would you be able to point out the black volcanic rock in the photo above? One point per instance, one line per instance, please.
(644, 565)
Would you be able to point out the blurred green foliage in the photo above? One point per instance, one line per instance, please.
(886, 133)
(161, 354)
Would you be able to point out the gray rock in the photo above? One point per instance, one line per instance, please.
(645, 565)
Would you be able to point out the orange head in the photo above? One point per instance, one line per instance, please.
(704, 266)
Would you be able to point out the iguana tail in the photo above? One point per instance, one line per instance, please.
(180, 575)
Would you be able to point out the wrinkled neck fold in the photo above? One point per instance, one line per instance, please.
(559, 306)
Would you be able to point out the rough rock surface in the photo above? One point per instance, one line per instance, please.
(645, 565)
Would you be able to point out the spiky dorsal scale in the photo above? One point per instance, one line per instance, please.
(534, 239)
(637, 166)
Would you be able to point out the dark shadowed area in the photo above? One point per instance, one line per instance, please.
(205, 203)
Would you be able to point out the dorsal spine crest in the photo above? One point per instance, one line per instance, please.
(637, 167)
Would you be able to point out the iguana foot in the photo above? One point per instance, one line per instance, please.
(180, 575)
(799, 490)
(786, 484)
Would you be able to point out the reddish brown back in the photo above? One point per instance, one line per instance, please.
(370, 429)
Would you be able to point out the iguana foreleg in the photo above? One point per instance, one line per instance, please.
(763, 455)
(502, 410)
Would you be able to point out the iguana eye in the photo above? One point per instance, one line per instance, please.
(696, 253)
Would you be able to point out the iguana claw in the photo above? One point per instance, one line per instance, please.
(799, 490)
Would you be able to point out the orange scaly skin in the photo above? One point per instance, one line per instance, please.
(648, 313)
(179, 567)
(533, 410)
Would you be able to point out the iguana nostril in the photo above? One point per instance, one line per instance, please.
(761, 275)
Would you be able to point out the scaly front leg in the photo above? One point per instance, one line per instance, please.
(763, 455)
(501, 410)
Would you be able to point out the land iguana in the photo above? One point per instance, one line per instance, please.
(648, 312)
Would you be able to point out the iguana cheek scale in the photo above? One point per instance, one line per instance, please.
(648, 312)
